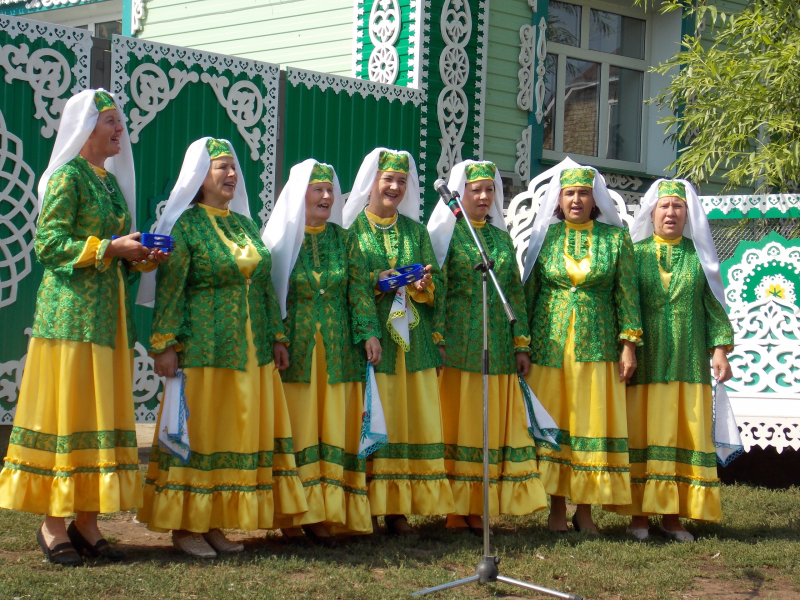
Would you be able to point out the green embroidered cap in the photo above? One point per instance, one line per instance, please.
(217, 148)
(580, 177)
(397, 163)
(103, 101)
(321, 173)
(480, 170)
(672, 188)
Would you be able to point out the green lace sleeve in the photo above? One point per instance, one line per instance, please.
(171, 277)
(719, 331)
(626, 293)
(274, 311)
(516, 297)
(360, 295)
(439, 285)
(440, 308)
(57, 247)
(531, 288)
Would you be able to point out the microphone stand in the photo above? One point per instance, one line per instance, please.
(487, 570)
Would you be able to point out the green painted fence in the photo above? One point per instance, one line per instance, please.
(41, 66)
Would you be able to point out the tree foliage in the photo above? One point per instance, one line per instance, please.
(736, 102)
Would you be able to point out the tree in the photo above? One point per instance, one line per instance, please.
(737, 102)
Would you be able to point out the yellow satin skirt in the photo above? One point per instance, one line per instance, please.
(408, 475)
(241, 472)
(587, 402)
(73, 445)
(673, 459)
(515, 487)
(326, 428)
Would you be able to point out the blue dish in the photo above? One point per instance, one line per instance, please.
(405, 275)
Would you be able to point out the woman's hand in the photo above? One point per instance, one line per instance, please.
(384, 275)
(627, 361)
(156, 256)
(166, 363)
(425, 281)
(281, 355)
(720, 364)
(444, 356)
(127, 246)
(374, 350)
(523, 363)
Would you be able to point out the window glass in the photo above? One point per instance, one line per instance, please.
(549, 107)
(564, 23)
(105, 30)
(581, 107)
(624, 113)
(615, 34)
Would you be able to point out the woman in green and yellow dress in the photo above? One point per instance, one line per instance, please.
(329, 316)
(670, 419)
(73, 445)
(383, 212)
(516, 488)
(583, 304)
(217, 318)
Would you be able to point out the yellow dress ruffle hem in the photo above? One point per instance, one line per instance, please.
(515, 487)
(73, 446)
(587, 402)
(408, 475)
(673, 459)
(326, 427)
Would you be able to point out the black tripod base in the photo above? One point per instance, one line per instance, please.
(487, 572)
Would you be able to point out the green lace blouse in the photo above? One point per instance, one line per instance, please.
(202, 298)
(411, 242)
(680, 325)
(606, 304)
(463, 331)
(81, 303)
(342, 302)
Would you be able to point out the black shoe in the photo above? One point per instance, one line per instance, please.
(62, 554)
(575, 523)
(328, 541)
(100, 549)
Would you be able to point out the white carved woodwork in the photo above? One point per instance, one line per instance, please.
(18, 221)
(452, 106)
(523, 164)
(527, 58)
(46, 70)
(384, 30)
(255, 115)
(10, 382)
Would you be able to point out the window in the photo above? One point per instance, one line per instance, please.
(104, 30)
(595, 75)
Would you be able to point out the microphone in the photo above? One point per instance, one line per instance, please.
(450, 198)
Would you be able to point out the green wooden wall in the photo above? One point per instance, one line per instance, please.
(303, 33)
(504, 121)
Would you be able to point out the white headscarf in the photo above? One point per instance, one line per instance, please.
(78, 121)
(697, 230)
(410, 206)
(544, 216)
(286, 227)
(443, 222)
(196, 164)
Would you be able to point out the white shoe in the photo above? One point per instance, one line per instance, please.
(194, 544)
(640, 534)
(220, 543)
(678, 536)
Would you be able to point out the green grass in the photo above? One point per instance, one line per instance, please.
(756, 547)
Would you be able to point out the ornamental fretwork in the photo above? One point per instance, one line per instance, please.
(452, 106)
